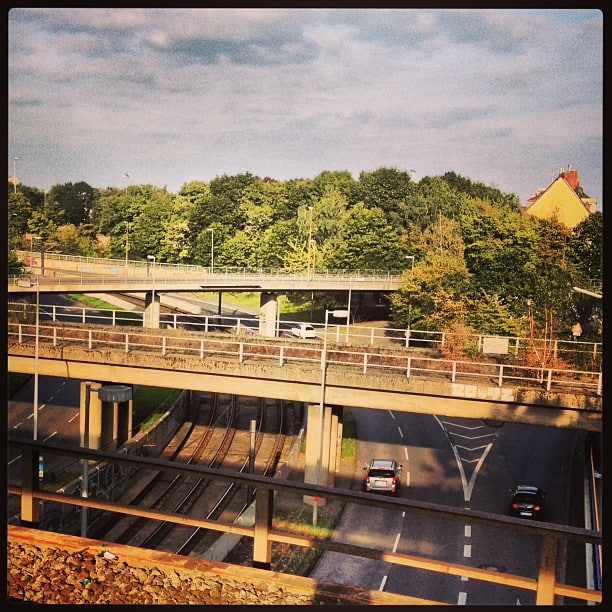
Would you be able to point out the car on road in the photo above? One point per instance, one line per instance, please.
(382, 476)
(527, 501)
(304, 330)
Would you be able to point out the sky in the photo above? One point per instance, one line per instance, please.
(504, 97)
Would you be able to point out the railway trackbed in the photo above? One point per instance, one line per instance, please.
(217, 433)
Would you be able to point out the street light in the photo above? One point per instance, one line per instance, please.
(15, 174)
(127, 241)
(411, 257)
(36, 345)
(309, 240)
(212, 249)
(337, 314)
(106, 393)
(152, 258)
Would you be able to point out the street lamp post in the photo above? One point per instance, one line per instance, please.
(106, 393)
(212, 249)
(36, 346)
(127, 242)
(152, 258)
(337, 314)
(310, 241)
(15, 174)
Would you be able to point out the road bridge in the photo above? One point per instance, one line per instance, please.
(56, 273)
(324, 379)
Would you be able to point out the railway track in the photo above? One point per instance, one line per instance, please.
(217, 434)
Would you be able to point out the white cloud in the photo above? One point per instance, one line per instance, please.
(173, 94)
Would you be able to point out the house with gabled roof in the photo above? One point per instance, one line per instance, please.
(563, 200)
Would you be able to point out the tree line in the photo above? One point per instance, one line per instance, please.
(470, 256)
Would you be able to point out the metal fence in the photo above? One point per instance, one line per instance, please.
(366, 361)
(551, 536)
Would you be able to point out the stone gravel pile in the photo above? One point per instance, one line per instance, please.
(49, 568)
(61, 577)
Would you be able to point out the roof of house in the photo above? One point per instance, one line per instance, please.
(563, 200)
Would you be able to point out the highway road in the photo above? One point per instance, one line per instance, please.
(462, 463)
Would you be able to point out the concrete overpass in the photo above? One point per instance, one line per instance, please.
(56, 273)
(196, 361)
(68, 273)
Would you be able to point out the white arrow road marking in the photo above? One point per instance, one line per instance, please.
(472, 448)
(459, 426)
(456, 435)
(467, 487)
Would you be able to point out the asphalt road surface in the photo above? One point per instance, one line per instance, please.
(462, 463)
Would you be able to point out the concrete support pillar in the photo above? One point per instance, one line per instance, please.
(95, 416)
(262, 545)
(330, 430)
(268, 314)
(110, 423)
(30, 506)
(151, 311)
(335, 443)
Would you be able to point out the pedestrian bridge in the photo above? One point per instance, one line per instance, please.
(57, 273)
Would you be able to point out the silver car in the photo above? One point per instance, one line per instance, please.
(382, 476)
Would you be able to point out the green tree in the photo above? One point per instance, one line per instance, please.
(389, 190)
(440, 272)
(366, 241)
(500, 252)
(585, 247)
(340, 181)
(149, 226)
(480, 191)
(109, 208)
(70, 203)
(431, 198)
(19, 211)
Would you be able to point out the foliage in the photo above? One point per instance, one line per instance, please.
(365, 241)
(470, 254)
(458, 341)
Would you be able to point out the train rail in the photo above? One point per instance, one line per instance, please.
(219, 436)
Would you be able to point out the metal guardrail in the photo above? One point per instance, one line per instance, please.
(544, 584)
(349, 334)
(389, 360)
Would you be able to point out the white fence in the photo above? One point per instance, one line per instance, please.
(389, 361)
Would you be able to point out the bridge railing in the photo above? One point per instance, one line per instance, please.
(391, 361)
(118, 268)
(550, 536)
(348, 334)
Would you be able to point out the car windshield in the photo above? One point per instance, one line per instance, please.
(381, 473)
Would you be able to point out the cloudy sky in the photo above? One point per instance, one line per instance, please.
(503, 97)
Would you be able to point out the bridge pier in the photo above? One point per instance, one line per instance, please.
(110, 423)
(268, 314)
(151, 310)
(332, 438)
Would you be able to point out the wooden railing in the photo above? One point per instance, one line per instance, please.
(545, 584)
